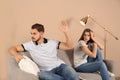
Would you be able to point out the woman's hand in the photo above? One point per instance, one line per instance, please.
(96, 41)
(92, 35)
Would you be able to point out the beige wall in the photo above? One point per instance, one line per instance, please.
(17, 16)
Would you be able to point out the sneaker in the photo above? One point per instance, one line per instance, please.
(111, 74)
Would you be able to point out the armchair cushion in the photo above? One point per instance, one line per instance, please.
(109, 64)
(28, 65)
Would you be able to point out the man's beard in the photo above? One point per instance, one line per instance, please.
(36, 42)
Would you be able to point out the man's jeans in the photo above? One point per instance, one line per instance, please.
(93, 65)
(63, 72)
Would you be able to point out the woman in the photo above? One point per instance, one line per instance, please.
(87, 55)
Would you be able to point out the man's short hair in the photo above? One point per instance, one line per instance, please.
(39, 27)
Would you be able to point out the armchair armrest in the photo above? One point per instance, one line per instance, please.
(110, 65)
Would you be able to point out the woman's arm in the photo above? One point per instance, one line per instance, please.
(96, 41)
(88, 52)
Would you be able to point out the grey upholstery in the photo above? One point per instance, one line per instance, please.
(16, 74)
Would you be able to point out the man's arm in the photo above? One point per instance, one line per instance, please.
(14, 51)
(69, 43)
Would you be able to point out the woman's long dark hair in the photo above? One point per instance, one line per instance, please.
(82, 36)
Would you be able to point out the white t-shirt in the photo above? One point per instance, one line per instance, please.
(80, 56)
(45, 54)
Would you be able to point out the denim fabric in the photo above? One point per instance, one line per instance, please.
(63, 72)
(98, 56)
(94, 64)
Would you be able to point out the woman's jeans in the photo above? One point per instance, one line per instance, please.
(98, 56)
(93, 65)
(63, 72)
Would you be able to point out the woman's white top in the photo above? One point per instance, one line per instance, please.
(80, 56)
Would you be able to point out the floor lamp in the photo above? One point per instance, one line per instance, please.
(84, 21)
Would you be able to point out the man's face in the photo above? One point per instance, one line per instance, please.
(35, 35)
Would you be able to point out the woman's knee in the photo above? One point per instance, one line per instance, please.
(102, 64)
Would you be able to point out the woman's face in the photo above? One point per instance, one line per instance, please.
(86, 36)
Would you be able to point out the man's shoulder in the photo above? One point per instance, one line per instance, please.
(52, 40)
(28, 42)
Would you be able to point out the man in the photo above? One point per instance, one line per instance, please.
(44, 52)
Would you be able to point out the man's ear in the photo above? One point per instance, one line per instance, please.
(41, 34)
